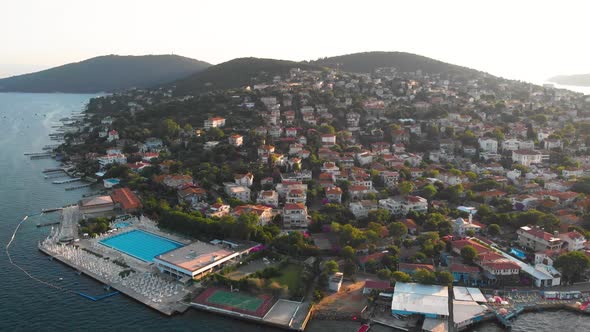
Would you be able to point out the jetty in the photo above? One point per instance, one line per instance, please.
(51, 210)
(79, 187)
(67, 181)
(48, 224)
(55, 176)
(36, 153)
(51, 170)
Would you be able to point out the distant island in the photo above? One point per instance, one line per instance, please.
(576, 80)
(106, 74)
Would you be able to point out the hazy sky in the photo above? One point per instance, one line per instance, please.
(529, 40)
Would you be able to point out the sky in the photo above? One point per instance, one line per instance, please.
(517, 39)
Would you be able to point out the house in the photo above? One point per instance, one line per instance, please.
(466, 274)
(110, 159)
(335, 282)
(126, 200)
(264, 213)
(527, 157)
(377, 286)
(573, 241)
(410, 225)
(328, 140)
(537, 239)
(239, 192)
(96, 205)
(191, 194)
(390, 179)
(295, 215)
(217, 210)
(215, 122)
(334, 194)
(264, 151)
(174, 180)
(362, 208)
(296, 195)
(236, 140)
(268, 197)
(357, 192)
(461, 227)
(401, 206)
(489, 145)
(244, 179)
(113, 135)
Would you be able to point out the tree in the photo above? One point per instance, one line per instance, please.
(424, 276)
(170, 127)
(444, 277)
(405, 187)
(398, 229)
(400, 276)
(348, 252)
(429, 191)
(380, 216)
(331, 267)
(572, 265)
(468, 253)
(349, 268)
(384, 274)
(494, 229)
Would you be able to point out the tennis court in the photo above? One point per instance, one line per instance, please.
(237, 302)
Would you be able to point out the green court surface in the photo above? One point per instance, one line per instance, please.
(235, 300)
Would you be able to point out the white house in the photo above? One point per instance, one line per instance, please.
(216, 122)
(488, 145)
(527, 157)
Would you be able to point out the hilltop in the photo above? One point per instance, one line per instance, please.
(106, 74)
(237, 73)
(367, 62)
(577, 80)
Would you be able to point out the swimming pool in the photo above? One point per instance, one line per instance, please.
(518, 253)
(141, 245)
(122, 224)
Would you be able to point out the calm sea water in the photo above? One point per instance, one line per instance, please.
(25, 305)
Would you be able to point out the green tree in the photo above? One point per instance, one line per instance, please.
(468, 253)
(170, 127)
(380, 216)
(444, 277)
(494, 229)
(424, 276)
(347, 252)
(405, 187)
(384, 274)
(331, 267)
(572, 265)
(429, 191)
(400, 276)
(398, 229)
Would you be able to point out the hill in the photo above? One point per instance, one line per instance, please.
(106, 74)
(237, 73)
(367, 62)
(577, 80)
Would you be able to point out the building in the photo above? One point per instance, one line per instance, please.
(401, 206)
(328, 139)
(113, 135)
(109, 159)
(198, 259)
(537, 239)
(191, 194)
(99, 204)
(461, 227)
(241, 193)
(295, 215)
(217, 210)
(216, 122)
(126, 200)
(378, 286)
(244, 179)
(236, 140)
(573, 241)
(527, 157)
(488, 145)
(268, 197)
(335, 282)
(362, 208)
(264, 213)
(334, 194)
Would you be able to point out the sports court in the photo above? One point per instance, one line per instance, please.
(237, 302)
(140, 244)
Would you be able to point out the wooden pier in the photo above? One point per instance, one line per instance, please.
(79, 187)
(67, 181)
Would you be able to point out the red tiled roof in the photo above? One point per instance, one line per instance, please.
(462, 268)
(126, 198)
(414, 267)
(373, 284)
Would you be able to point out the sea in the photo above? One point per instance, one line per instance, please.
(28, 305)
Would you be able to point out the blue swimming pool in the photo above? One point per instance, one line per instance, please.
(140, 244)
(518, 253)
(122, 224)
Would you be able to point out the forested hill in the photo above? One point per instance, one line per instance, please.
(367, 62)
(577, 80)
(237, 73)
(106, 74)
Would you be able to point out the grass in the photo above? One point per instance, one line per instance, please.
(290, 276)
(235, 300)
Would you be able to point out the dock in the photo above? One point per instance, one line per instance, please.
(51, 170)
(79, 187)
(42, 156)
(47, 224)
(55, 176)
(167, 310)
(51, 210)
(67, 181)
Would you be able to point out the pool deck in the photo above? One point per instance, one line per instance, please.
(167, 309)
